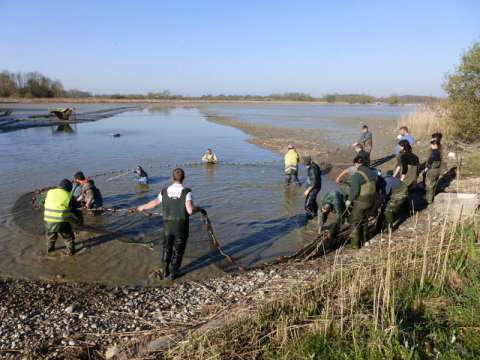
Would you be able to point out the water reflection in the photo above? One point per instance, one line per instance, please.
(65, 129)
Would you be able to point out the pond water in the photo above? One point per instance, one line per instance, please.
(255, 217)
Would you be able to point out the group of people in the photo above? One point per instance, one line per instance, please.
(363, 190)
(64, 202)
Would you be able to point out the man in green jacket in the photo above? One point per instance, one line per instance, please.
(361, 198)
(332, 200)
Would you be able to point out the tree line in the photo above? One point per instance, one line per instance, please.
(37, 85)
(34, 85)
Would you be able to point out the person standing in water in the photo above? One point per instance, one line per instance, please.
(210, 157)
(177, 205)
(59, 208)
(142, 176)
(291, 159)
(314, 180)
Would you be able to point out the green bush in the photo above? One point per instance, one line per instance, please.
(463, 88)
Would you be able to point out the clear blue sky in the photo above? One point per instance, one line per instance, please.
(259, 47)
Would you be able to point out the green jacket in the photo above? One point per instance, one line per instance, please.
(335, 198)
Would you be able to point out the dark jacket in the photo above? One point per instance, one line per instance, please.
(314, 176)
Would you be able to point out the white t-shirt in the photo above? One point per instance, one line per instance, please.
(175, 191)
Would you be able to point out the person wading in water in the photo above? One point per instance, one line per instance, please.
(177, 205)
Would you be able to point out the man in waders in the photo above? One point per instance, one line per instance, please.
(291, 159)
(366, 140)
(59, 207)
(396, 195)
(432, 170)
(332, 200)
(177, 206)
(314, 181)
(407, 168)
(362, 197)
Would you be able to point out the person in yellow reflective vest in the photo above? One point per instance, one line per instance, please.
(58, 212)
(291, 159)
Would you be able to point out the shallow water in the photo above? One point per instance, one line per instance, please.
(254, 216)
(338, 123)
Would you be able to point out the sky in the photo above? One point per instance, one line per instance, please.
(240, 47)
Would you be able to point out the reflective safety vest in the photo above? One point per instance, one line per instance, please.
(57, 206)
(291, 158)
(367, 192)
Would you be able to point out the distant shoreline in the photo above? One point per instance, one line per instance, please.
(97, 100)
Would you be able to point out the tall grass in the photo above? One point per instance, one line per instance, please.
(426, 121)
(409, 299)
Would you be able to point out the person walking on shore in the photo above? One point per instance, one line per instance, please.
(366, 140)
(361, 198)
(314, 181)
(396, 195)
(59, 208)
(407, 168)
(177, 205)
(432, 170)
(291, 159)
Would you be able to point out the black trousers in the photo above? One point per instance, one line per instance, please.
(311, 206)
(173, 249)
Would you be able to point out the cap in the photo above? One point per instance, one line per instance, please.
(290, 146)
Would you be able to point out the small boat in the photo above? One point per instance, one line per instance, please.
(62, 113)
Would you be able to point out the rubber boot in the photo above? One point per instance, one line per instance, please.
(173, 273)
(70, 251)
(166, 270)
(50, 247)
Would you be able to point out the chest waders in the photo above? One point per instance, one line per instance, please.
(431, 181)
(361, 206)
(411, 176)
(397, 200)
(176, 223)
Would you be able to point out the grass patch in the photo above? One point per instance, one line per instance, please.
(412, 300)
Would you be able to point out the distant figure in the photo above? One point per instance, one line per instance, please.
(314, 181)
(361, 152)
(142, 176)
(85, 192)
(404, 135)
(366, 140)
(177, 204)
(292, 159)
(407, 168)
(59, 207)
(210, 157)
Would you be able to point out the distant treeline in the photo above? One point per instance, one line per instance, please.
(36, 85)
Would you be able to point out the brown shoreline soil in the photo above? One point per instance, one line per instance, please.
(313, 142)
